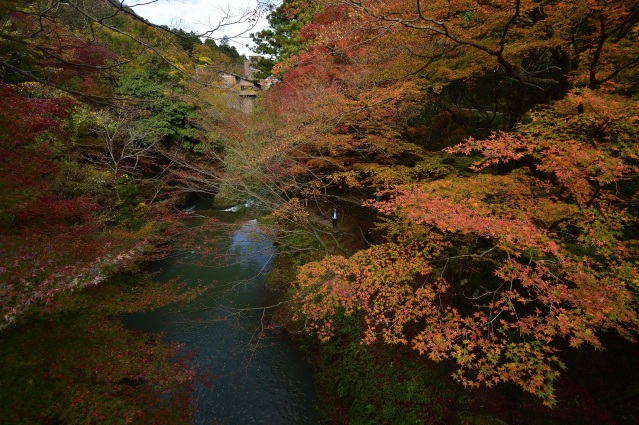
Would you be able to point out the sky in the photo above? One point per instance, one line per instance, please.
(231, 18)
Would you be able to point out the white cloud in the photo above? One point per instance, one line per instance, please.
(235, 19)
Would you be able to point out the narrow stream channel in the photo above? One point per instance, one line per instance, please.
(248, 379)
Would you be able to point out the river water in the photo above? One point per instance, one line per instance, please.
(249, 375)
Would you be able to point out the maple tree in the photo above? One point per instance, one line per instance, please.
(494, 269)
(488, 62)
(91, 96)
(51, 242)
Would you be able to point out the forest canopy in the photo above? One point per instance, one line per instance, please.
(98, 107)
(502, 137)
(491, 148)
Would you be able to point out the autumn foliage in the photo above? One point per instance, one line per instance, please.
(493, 143)
(71, 231)
(519, 238)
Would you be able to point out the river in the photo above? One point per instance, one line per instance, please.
(249, 376)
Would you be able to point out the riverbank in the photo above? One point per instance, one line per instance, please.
(379, 383)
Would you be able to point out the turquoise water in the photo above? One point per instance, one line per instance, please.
(248, 375)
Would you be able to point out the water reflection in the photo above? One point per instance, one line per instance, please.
(252, 376)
